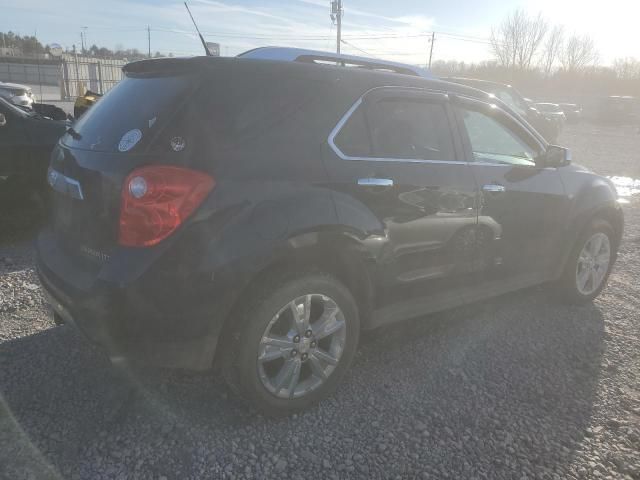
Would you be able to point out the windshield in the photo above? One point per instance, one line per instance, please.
(10, 107)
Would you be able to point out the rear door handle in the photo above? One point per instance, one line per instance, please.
(494, 188)
(375, 182)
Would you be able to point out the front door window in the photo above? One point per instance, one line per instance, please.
(493, 142)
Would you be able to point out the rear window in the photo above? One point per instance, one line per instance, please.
(128, 116)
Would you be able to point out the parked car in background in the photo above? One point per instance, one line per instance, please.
(553, 112)
(257, 215)
(17, 94)
(84, 102)
(26, 141)
(619, 109)
(51, 111)
(572, 112)
(509, 95)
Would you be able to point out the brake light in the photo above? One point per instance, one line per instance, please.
(156, 200)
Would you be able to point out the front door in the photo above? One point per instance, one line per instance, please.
(520, 199)
(396, 155)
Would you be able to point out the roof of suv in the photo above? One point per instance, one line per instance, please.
(284, 54)
(375, 76)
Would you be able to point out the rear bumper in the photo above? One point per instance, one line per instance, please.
(125, 318)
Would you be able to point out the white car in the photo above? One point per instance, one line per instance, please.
(17, 94)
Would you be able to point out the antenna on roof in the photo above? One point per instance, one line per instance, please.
(204, 44)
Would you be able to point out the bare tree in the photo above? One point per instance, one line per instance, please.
(627, 68)
(517, 39)
(552, 48)
(578, 52)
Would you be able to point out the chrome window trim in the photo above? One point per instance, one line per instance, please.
(347, 116)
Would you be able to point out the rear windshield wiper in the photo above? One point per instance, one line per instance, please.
(75, 135)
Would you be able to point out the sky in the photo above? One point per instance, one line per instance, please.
(395, 30)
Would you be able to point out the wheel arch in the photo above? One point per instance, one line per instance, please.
(611, 212)
(336, 252)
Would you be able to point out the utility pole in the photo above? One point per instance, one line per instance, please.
(433, 38)
(336, 15)
(83, 38)
(149, 39)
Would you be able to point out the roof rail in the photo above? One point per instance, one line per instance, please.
(285, 54)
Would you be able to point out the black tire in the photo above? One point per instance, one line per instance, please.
(567, 285)
(264, 301)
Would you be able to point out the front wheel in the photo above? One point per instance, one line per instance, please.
(295, 341)
(589, 264)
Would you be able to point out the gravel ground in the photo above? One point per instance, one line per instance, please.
(516, 387)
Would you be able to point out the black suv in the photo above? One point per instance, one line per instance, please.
(258, 215)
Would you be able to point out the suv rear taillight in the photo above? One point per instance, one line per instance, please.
(156, 200)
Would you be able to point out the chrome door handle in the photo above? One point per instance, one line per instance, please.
(375, 182)
(493, 188)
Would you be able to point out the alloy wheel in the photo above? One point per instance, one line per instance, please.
(301, 346)
(593, 263)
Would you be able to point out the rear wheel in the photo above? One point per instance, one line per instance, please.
(589, 264)
(295, 342)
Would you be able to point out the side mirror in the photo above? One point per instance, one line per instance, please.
(3, 120)
(556, 156)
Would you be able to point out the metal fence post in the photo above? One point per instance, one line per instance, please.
(100, 77)
(77, 79)
(65, 78)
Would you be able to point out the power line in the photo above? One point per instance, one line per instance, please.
(325, 37)
(353, 46)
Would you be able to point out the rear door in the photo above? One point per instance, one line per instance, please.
(398, 170)
(521, 201)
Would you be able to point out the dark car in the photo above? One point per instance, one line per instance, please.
(572, 111)
(548, 128)
(257, 215)
(553, 112)
(26, 141)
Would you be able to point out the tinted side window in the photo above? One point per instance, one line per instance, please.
(353, 139)
(411, 129)
(493, 142)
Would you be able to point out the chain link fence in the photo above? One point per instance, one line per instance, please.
(64, 78)
(80, 73)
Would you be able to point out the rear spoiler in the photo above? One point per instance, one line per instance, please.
(166, 65)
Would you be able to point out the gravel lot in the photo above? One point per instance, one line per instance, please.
(517, 387)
